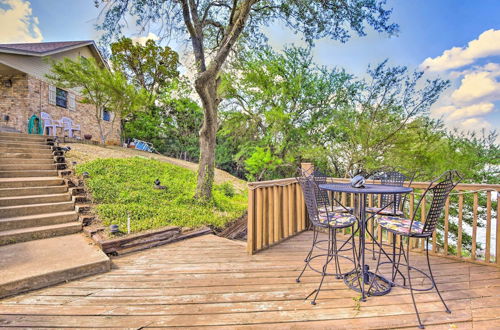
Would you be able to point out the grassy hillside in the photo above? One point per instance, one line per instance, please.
(83, 153)
(125, 187)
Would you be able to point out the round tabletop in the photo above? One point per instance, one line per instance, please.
(367, 189)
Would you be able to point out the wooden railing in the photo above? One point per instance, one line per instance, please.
(276, 211)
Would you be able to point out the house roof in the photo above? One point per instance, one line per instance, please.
(49, 48)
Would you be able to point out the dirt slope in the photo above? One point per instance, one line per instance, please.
(86, 152)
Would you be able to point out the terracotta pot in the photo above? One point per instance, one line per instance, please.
(87, 136)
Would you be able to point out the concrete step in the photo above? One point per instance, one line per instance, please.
(9, 161)
(34, 199)
(8, 129)
(26, 167)
(36, 264)
(27, 191)
(26, 150)
(34, 233)
(24, 137)
(37, 220)
(32, 173)
(22, 210)
(30, 182)
(20, 144)
(24, 145)
(26, 155)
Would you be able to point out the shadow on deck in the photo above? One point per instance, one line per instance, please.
(211, 281)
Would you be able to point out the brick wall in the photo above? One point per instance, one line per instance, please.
(29, 96)
(13, 102)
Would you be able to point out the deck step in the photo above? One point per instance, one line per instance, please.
(34, 199)
(31, 173)
(30, 182)
(26, 191)
(22, 210)
(37, 220)
(34, 233)
(27, 167)
(37, 264)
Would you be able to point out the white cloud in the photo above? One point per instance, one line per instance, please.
(17, 23)
(474, 124)
(142, 40)
(479, 85)
(452, 112)
(487, 44)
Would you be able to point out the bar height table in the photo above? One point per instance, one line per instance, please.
(361, 276)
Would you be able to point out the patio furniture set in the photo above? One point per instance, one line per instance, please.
(327, 213)
(50, 126)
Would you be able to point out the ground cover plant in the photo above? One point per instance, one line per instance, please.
(125, 187)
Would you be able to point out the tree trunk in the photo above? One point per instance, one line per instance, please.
(207, 89)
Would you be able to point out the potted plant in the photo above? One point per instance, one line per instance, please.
(87, 136)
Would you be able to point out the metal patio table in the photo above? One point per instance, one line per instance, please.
(361, 276)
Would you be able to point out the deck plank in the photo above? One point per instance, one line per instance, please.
(211, 282)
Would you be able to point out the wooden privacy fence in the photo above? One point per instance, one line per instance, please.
(469, 226)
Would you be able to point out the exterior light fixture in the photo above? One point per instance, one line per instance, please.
(7, 83)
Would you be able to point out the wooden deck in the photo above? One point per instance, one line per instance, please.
(211, 282)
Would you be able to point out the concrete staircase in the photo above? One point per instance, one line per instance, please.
(38, 221)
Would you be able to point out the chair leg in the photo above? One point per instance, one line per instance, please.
(432, 276)
(420, 325)
(306, 260)
(373, 239)
(329, 257)
(335, 252)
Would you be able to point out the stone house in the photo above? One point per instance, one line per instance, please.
(24, 90)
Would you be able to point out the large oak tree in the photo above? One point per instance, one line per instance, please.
(216, 28)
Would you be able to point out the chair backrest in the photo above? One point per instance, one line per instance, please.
(47, 120)
(392, 178)
(309, 190)
(440, 189)
(67, 122)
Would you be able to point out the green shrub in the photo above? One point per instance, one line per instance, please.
(125, 187)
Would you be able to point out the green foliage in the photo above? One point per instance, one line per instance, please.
(173, 121)
(99, 86)
(273, 111)
(149, 66)
(123, 187)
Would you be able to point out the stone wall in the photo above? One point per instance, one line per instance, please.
(29, 96)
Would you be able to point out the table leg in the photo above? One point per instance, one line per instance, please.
(361, 275)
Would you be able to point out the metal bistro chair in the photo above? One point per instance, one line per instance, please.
(321, 178)
(389, 204)
(439, 189)
(328, 221)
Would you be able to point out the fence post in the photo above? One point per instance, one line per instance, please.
(307, 168)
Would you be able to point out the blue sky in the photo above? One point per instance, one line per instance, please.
(429, 31)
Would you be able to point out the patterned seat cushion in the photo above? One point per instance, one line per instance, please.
(386, 211)
(337, 219)
(335, 209)
(400, 225)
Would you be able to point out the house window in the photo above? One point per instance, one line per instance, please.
(61, 98)
(106, 115)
